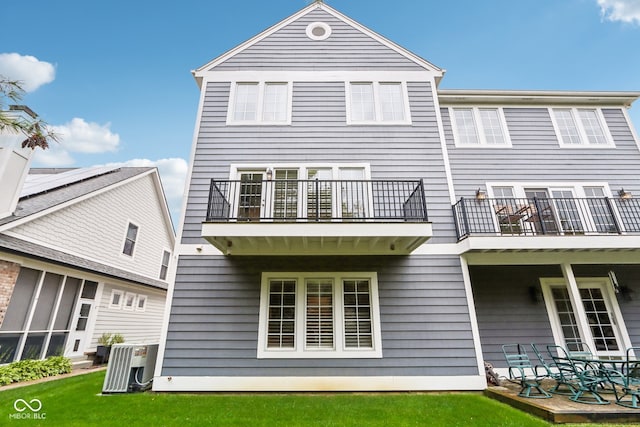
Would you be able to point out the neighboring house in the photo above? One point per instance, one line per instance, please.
(82, 252)
(349, 226)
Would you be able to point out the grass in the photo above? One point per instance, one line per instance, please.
(76, 401)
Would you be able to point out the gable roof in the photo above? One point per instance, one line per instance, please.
(47, 190)
(409, 56)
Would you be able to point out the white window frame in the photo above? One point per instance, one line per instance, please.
(236, 170)
(164, 251)
(480, 133)
(139, 298)
(584, 140)
(127, 296)
(377, 105)
(260, 104)
(135, 242)
(117, 306)
(339, 350)
(576, 187)
(612, 304)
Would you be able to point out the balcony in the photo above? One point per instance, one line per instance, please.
(589, 222)
(316, 217)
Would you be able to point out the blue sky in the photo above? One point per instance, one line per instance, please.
(113, 77)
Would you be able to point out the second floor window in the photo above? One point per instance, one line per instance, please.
(130, 239)
(474, 127)
(579, 127)
(377, 102)
(260, 103)
(164, 266)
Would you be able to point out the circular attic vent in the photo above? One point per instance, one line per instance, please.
(318, 31)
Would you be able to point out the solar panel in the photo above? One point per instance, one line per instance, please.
(40, 183)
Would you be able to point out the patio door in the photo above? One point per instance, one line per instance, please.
(556, 211)
(598, 304)
(81, 327)
(250, 196)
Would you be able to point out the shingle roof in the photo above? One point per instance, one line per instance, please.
(30, 205)
(86, 181)
(32, 250)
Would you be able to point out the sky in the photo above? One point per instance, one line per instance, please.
(113, 78)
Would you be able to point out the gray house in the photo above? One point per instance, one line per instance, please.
(349, 226)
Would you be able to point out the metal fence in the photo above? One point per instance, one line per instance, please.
(542, 216)
(316, 200)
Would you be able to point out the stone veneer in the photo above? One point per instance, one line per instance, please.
(8, 276)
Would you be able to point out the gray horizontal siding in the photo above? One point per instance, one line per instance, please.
(425, 323)
(505, 311)
(319, 133)
(346, 49)
(536, 155)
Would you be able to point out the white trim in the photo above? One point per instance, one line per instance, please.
(135, 241)
(236, 168)
(584, 140)
(443, 144)
(326, 27)
(554, 257)
(164, 330)
(139, 298)
(290, 384)
(129, 296)
(259, 103)
(573, 285)
(377, 103)
(398, 49)
(576, 186)
(479, 127)
(475, 331)
(117, 306)
(168, 251)
(634, 133)
(225, 76)
(339, 350)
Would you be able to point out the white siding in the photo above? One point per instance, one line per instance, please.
(95, 228)
(137, 327)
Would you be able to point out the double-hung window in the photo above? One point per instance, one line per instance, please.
(333, 315)
(130, 239)
(164, 265)
(377, 102)
(581, 127)
(479, 126)
(260, 103)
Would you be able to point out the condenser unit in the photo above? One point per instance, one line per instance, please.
(130, 367)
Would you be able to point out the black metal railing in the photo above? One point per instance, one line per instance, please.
(316, 200)
(542, 216)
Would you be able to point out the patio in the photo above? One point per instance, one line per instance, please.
(559, 409)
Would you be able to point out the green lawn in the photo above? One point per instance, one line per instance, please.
(77, 401)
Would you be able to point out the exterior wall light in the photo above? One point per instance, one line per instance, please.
(480, 195)
(269, 174)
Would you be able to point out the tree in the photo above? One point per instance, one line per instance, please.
(34, 129)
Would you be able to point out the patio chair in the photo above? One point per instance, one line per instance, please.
(522, 371)
(626, 383)
(561, 377)
(585, 379)
(578, 349)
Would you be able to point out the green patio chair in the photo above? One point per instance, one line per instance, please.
(586, 380)
(565, 382)
(626, 382)
(522, 371)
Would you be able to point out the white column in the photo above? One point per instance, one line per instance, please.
(578, 307)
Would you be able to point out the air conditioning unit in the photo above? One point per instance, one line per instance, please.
(130, 368)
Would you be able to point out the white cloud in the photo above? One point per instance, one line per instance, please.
(173, 173)
(621, 10)
(30, 71)
(82, 137)
(53, 157)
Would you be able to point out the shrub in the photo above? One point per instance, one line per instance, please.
(108, 339)
(26, 370)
